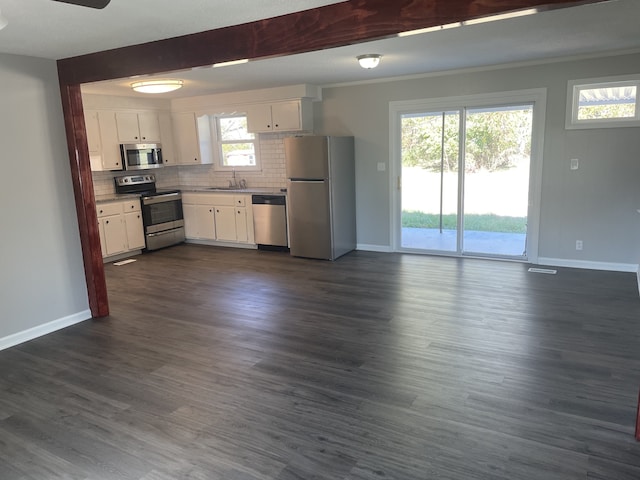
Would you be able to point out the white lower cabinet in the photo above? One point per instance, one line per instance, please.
(199, 221)
(120, 226)
(242, 229)
(226, 224)
(217, 217)
(135, 230)
(115, 235)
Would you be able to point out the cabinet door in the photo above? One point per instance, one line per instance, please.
(286, 116)
(186, 138)
(241, 225)
(135, 230)
(111, 159)
(103, 243)
(93, 132)
(149, 127)
(128, 130)
(225, 223)
(199, 221)
(115, 235)
(259, 118)
(166, 139)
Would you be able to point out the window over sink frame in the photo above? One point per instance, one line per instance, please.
(237, 149)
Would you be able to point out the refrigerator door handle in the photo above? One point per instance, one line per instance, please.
(308, 180)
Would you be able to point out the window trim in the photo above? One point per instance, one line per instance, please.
(219, 156)
(573, 95)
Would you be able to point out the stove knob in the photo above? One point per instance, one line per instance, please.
(126, 180)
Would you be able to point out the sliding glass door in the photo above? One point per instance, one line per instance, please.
(465, 180)
(430, 195)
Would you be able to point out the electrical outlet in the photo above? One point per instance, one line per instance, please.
(575, 163)
(578, 244)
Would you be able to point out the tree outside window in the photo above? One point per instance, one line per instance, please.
(237, 147)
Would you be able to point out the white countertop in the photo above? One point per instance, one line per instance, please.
(112, 197)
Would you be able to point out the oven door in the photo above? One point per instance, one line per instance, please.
(162, 212)
(141, 156)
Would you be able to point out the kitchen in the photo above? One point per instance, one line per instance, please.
(214, 190)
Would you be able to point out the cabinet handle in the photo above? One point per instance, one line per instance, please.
(133, 207)
(276, 125)
(100, 211)
(211, 210)
(268, 126)
(195, 159)
(107, 221)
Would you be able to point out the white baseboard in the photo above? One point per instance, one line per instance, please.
(612, 267)
(40, 330)
(374, 248)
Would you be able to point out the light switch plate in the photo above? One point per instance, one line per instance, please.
(575, 164)
(382, 166)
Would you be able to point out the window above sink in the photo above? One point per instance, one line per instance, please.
(237, 149)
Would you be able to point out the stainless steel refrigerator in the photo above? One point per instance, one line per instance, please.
(321, 196)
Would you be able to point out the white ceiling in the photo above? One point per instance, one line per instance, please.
(609, 27)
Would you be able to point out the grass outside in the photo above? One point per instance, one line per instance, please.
(479, 223)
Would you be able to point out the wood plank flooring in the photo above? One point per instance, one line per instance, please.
(219, 363)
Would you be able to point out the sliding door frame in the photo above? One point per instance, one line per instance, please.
(537, 97)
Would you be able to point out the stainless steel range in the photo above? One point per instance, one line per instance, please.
(161, 210)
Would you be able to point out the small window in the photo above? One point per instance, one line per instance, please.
(602, 104)
(237, 148)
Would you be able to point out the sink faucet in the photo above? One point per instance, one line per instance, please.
(234, 183)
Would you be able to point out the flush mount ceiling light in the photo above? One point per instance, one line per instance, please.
(157, 86)
(370, 60)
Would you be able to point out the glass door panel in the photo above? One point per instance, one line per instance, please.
(430, 194)
(496, 180)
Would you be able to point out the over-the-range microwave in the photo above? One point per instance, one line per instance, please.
(141, 156)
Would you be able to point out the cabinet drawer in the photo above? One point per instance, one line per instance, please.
(223, 200)
(196, 198)
(132, 206)
(104, 209)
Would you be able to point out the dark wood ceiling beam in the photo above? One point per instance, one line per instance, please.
(335, 25)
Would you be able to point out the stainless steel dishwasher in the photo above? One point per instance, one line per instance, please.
(270, 220)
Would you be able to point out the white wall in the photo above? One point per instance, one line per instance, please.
(596, 204)
(42, 284)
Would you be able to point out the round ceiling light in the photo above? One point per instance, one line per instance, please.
(157, 86)
(370, 60)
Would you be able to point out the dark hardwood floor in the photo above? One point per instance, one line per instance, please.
(219, 363)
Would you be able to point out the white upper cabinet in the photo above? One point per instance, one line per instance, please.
(289, 116)
(192, 139)
(93, 132)
(138, 127)
(169, 156)
(102, 138)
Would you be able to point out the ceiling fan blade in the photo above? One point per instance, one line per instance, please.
(87, 3)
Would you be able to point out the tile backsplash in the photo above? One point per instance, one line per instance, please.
(272, 175)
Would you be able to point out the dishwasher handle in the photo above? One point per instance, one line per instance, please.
(268, 199)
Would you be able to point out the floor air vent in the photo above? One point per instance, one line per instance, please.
(548, 271)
